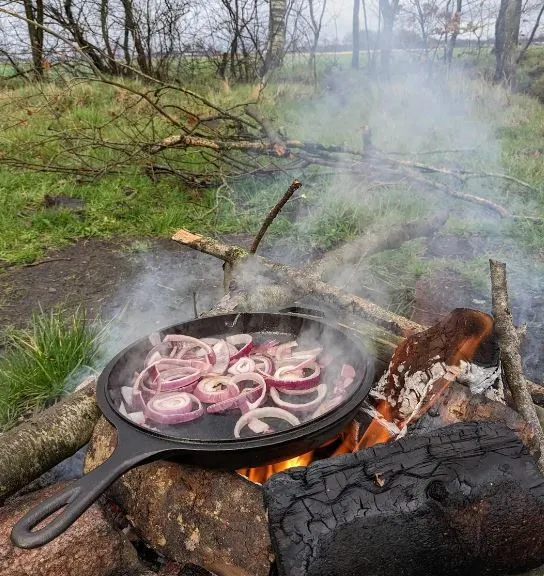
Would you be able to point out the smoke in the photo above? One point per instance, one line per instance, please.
(169, 282)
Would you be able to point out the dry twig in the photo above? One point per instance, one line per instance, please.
(295, 185)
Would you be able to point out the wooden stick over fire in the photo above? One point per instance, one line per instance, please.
(510, 357)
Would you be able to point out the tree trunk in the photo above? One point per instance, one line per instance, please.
(355, 28)
(532, 35)
(466, 499)
(455, 25)
(276, 36)
(133, 27)
(506, 42)
(35, 34)
(388, 10)
(104, 12)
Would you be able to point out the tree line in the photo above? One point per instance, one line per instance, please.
(244, 40)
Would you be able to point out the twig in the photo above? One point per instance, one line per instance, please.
(510, 357)
(31, 264)
(195, 308)
(295, 185)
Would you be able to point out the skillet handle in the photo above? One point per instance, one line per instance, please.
(75, 498)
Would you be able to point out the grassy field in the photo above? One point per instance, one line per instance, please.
(497, 130)
(455, 120)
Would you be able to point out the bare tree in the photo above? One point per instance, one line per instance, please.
(276, 36)
(506, 41)
(356, 28)
(388, 12)
(532, 34)
(35, 19)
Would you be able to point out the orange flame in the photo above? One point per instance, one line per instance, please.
(376, 433)
(347, 442)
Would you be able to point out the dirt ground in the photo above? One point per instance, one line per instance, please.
(141, 285)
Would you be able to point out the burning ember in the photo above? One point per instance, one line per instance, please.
(415, 381)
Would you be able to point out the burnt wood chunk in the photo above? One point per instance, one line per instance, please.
(465, 499)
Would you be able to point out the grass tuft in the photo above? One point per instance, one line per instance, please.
(40, 359)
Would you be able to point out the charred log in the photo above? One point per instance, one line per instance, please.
(467, 499)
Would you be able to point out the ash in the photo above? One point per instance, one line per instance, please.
(414, 389)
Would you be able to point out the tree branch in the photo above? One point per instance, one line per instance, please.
(295, 185)
(510, 357)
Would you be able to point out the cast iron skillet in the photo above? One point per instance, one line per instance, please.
(204, 446)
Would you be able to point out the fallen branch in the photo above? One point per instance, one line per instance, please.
(34, 447)
(372, 242)
(7, 266)
(510, 357)
(295, 185)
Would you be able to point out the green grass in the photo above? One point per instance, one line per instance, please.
(40, 359)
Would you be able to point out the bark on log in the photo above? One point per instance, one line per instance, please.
(372, 243)
(510, 356)
(209, 517)
(259, 275)
(467, 499)
(34, 447)
(90, 547)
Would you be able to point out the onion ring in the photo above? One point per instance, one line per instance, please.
(268, 412)
(311, 405)
(173, 408)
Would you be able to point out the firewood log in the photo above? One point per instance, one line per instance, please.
(212, 518)
(466, 499)
(90, 547)
(37, 445)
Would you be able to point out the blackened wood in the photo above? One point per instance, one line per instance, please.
(510, 356)
(466, 499)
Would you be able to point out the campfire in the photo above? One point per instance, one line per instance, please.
(420, 372)
(435, 471)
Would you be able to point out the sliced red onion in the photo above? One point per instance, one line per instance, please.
(248, 399)
(284, 350)
(222, 357)
(279, 380)
(242, 366)
(215, 389)
(312, 405)
(189, 343)
(266, 346)
(328, 405)
(298, 392)
(154, 338)
(137, 417)
(312, 352)
(259, 427)
(297, 362)
(179, 377)
(263, 363)
(347, 371)
(210, 341)
(173, 408)
(267, 412)
(127, 395)
(243, 340)
(122, 409)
